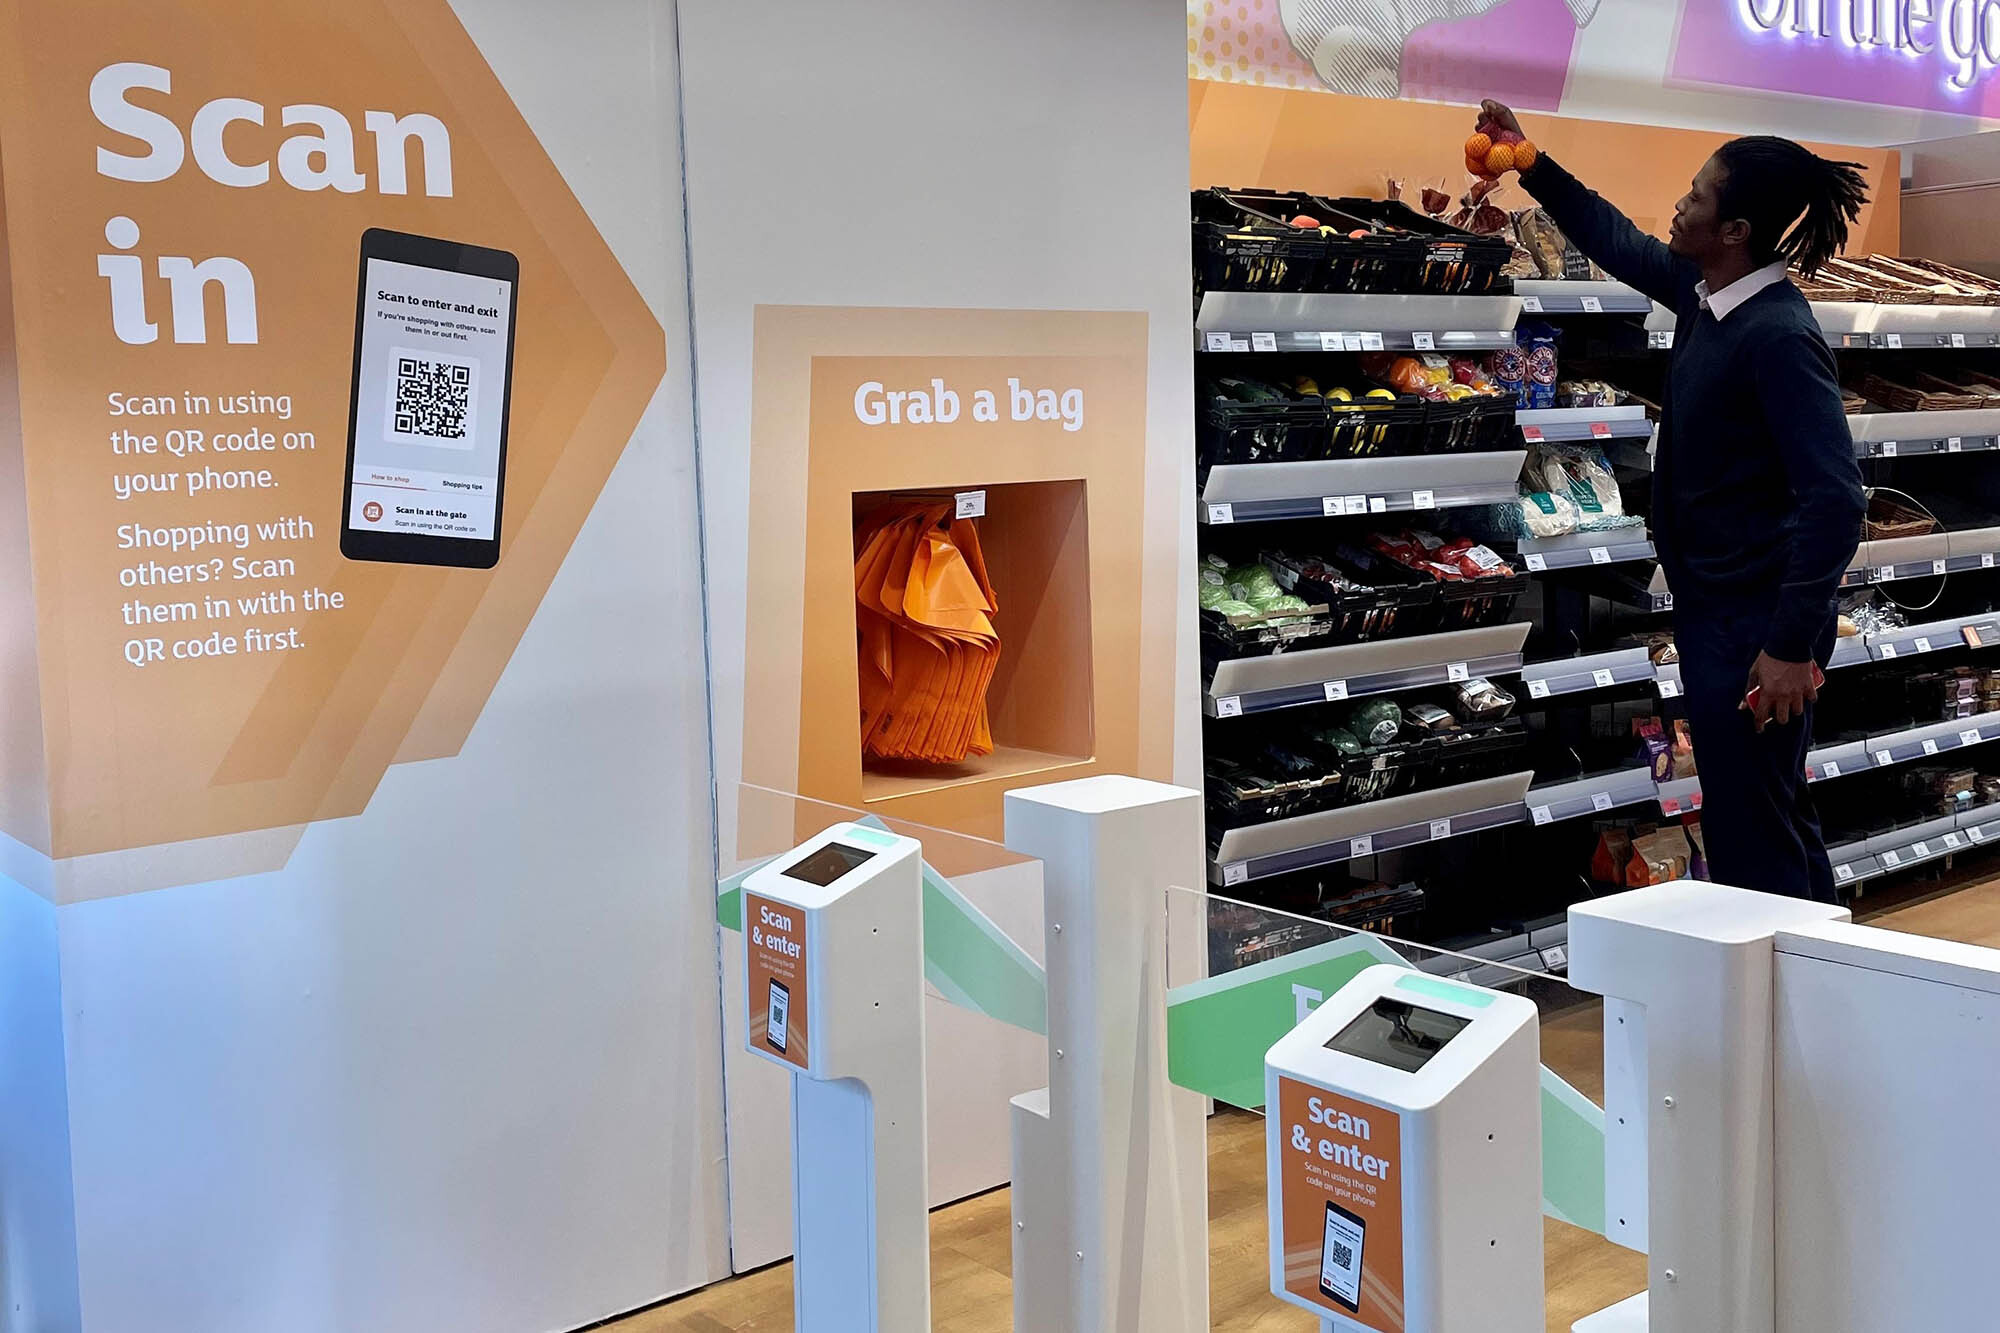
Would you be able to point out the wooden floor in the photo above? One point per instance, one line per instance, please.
(970, 1266)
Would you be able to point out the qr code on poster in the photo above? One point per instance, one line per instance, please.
(1343, 1256)
(431, 399)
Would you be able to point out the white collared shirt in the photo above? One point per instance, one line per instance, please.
(1722, 303)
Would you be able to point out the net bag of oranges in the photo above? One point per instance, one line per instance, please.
(1493, 152)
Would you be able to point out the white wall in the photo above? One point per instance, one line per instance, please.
(37, 1217)
(456, 1065)
(931, 154)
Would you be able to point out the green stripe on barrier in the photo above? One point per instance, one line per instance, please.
(970, 960)
(1218, 1030)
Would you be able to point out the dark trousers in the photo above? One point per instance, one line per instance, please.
(1757, 817)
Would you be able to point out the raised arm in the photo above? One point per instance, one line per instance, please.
(1613, 242)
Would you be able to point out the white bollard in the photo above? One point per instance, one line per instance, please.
(1110, 1160)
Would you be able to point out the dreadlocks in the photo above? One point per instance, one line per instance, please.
(1772, 183)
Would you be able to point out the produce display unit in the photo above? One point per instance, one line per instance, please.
(1484, 834)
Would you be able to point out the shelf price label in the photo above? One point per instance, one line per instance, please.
(1456, 671)
(1424, 342)
(970, 504)
(1972, 637)
(1263, 342)
(1920, 848)
(1937, 566)
(1532, 434)
(1829, 769)
(1222, 513)
(1889, 448)
(1229, 706)
(1333, 506)
(1531, 305)
(1930, 749)
(1891, 859)
(1537, 564)
(1602, 678)
(1660, 340)
(1332, 342)
(1955, 444)
(1236, 872)
(1600, 555)
(1593, 305)
(1694, 801)
(1538, 689)
(1976, 833)
(1600, 430)
(1555, 958)
(1986, 559)
(1371, 342)
(1600, 801)
(1336, 690)
(1216, 342)
(1958, 340)
(1970, 736)
(1378, 504)
(1843, 873)
(1540, 814)
(1440, 829)
(1923, 645)
(1423, 500)
(1895, 340)
(1358, 342)
(1953, 841)
(1357, 504)
(1883, 759)
(1239, 344)
(1670, 689)
(1888, 652)
(1361, 846)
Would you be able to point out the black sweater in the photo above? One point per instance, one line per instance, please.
(1757, 500)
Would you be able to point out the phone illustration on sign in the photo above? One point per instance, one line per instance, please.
(428, 405)
(1340, 1257)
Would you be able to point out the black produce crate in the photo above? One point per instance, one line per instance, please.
(1382, 771)
(1244, 241)
(1397, 601)
(1476, 603)
(1474, 753)
(1471, 425)
(1295, 430)
(1226, 637)
(1377, 427)
(1239, 795)
(1234, 252)
(1452, 261)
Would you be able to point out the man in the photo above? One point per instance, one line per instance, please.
(1757, 499)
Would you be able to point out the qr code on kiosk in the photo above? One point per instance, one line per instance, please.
(431, 399)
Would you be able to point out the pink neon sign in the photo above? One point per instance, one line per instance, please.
(1937, 55)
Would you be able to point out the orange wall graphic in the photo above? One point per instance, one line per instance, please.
(201, 175)
(1329, 143)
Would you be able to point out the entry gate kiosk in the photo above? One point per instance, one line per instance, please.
(833, 933)
(1404, 1158)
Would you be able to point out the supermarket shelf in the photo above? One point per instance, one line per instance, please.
(1850, 651)
(1667, 680)
(1572, 425)
(1680, 796)
(1580, 550)
(1858, 324)
(1590, 796)
(1574, 675)
(1634, 585)
(1496, 963)
(1981, 630)
(1916, 434)
(1554, 296)
(1332, 322)
(1900, 849)
(1255, 492)
(1350, 671)
(1924, 557)
(1330, 836)
(1900, 747)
